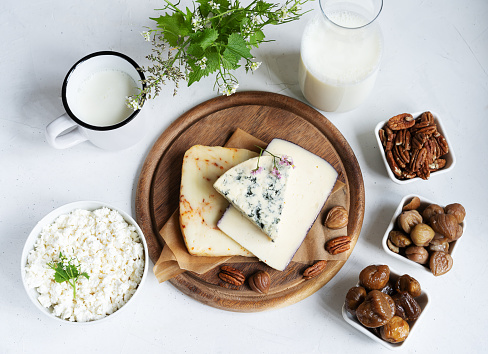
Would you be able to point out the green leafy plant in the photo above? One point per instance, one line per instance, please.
(213, 38)
(66, 270)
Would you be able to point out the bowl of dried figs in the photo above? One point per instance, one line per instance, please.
(414, 146)
(425, 234)
(385, 305)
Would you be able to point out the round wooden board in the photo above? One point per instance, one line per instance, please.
(266, 116)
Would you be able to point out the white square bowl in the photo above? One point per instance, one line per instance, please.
(49, 219)
(424, 202)
(422, 300)
(449, 157)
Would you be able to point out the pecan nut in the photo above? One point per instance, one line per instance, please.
(401, 121)
(338, 245)
(232, 276)
(260, 282)
(314, 270)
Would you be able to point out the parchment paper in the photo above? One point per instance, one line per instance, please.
(175, 258)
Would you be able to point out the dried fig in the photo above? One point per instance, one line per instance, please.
(375, 310)
(399, 239)
(374, 277)
(457, 210)
(446, 225)
(439, 244)
(395, 331)
(417, 254)
(408, 219)
(406, 306)
(408, 284)
(422, 234)
(440, 263)
(432, 210)
(354, 297)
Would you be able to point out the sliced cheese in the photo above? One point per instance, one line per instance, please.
(201, 206)
(308, 188)
(259, 194)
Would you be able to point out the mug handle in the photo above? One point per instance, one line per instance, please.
(58, 127)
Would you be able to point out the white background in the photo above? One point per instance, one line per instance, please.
(436, 58)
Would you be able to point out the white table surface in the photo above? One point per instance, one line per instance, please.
(436, 58)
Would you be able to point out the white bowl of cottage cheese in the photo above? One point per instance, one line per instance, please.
(84, 262)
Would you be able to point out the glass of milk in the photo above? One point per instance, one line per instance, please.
(340, 54)
(94, 96)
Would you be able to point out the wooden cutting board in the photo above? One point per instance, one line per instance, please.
(266, 116)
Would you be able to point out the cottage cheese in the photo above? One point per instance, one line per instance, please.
(108, 249)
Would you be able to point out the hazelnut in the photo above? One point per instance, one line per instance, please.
(439, 244)
(417, 254)
(395, 331)
(392, 247)
(446, 225)
(440, 263)
(457, 210)
(337, 218)
(459, 232)
(408, 284)
(399, 239)
(354, 297)
(408, 219)
(412, 205)
(422, 234)
(432, 210)
(260, 282)
(374, 277)
(375, 310)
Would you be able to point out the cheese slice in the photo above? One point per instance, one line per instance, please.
(259, 194)
(201, 206)
(308, 188)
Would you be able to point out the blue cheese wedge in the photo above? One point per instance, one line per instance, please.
(259, 194)
(201, 206)
(308, 188)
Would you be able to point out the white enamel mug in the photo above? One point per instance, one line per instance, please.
(75, 126)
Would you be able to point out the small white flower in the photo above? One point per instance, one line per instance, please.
(132, 103)
(255, 66)
(202, 63)
(214, 5)
(283, 13)
(228, 89)
(146, 35)
(196, 23)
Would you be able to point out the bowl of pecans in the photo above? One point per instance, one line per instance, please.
(414, 147)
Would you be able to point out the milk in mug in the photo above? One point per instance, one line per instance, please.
(101, 98)
(339, 60)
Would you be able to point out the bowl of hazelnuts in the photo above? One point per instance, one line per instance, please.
(425, 234)
(385, 306)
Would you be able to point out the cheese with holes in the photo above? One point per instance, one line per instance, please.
(308, 188)
(259, 194)
(201, 206)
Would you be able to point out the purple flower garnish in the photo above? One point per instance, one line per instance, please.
(276, 173)
(256, 171)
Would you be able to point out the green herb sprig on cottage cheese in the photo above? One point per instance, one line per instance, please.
(112, 256)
